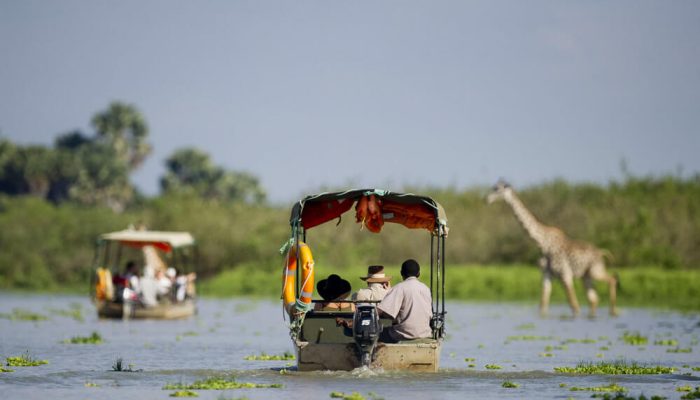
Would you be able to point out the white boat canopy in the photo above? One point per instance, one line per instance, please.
(161, 239)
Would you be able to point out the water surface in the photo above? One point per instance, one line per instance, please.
(216, 341)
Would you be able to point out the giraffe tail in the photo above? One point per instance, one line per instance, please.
(607, 255)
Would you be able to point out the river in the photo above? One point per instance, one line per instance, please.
(216, 342)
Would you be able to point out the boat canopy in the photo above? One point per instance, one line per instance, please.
(373, 207)
(166, 241)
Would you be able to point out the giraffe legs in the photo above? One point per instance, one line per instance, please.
(568, 282)
(598, 272)
(591, 295)
(546, 293)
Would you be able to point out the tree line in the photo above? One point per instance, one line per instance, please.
(54, 201)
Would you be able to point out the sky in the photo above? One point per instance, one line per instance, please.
(317, 94)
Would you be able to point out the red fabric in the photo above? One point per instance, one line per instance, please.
(318, 213)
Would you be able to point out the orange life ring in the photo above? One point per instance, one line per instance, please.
(307, 278)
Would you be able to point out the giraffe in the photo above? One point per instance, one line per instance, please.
(562, 257)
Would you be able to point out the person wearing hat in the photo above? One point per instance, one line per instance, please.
(378, 284)
(334, 290)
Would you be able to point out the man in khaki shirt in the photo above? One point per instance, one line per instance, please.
(409, 304)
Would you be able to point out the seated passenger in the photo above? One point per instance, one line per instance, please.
(163, 284)
(127, 284)
(378, 284)
(333, 290)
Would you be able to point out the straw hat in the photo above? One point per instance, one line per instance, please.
(375, 273)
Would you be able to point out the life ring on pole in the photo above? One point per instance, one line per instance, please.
(303, 303)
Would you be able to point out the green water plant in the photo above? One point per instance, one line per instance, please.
(94, 338)
(619, 367)
(25, 360)
(184, 393)
(585, 341)
(91, 384)
(613, 387)
(2, 369)
(219, 383)
(118, 366)
(623, 396)
(75, 311)
(666, 342)
(695, 394)
(270, 357)
(344, 396)
(686, 388)
(528, 338)
(680, 350)
(510, 385)
(20, 314)
(492, 366)
(634, 338)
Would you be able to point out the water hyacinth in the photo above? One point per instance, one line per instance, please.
(25, 360)
(184, 393)
(94, 338)
(19, 314)
(270, 357)
(634, 338)
(510, 385)
(613, 387)
(219, 383)
(615, 368)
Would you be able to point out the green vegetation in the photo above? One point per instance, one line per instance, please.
(19, 314)
(510, 385)
(695, 394)
(634, 338)
(25, 360)
(344, 396)
(615, 368)
(2, 369)
(184, 393)
(528, 338)
(666, 342)
(94, 338)
(613, 387)
(118, 366)
(623, 396)
(270, 357)
(492, 366)
(75, 311)
(585, 341)
(219, 383)
(680, 350)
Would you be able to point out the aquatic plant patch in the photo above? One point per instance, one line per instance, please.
(492, 366)
(666, 342)
(613, 387)
(344, 396)
(634, 338)
(615, 368)
(623, 396)
(94, 338)
(218, 383)
(118, 366)
(510, 385)
(680, 350)
(19, 314)
(2, 369)
(528, 338)
(184, 393)
(695, 394)
(75, 311)
(25, 360)
(270, 357)
(585, 341)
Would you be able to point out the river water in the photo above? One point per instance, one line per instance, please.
(216, 341)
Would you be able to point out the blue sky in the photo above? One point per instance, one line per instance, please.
(306, 94)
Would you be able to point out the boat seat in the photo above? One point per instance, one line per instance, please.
(320, 327)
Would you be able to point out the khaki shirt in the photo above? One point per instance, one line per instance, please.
(375, 291)
(410, 306)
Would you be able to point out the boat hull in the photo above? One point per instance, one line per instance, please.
(108, 309)
(420, 355)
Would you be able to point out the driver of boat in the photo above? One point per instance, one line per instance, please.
(378, 285)
(334, 290)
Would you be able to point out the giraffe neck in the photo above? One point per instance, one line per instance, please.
(533, 227)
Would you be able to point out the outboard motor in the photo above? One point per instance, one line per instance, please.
(366, 328)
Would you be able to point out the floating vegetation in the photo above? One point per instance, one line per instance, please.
(696, 369)
(344, 396)
(75, 311)
(586, 341)
(561, 347)
(510, 385)
(604, 348)
(19, 314)
(471, 366)
(25, 360)
(695, 394)
(679, 350)
(613, 387)
(623, 396)
(270, 357)
(492, 366)
(95, 338)
(615, 368)
(470, 359)
(219, 383)
(91, 384)
(119, 366)
(2, 369)
(634, 338)
(686, 388)
(184, 393)
(666, 342)
(528, 338)
(546, 355)
(525, 327)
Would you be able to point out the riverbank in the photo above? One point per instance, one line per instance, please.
(639, 287)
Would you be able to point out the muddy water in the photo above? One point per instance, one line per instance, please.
(216, 341)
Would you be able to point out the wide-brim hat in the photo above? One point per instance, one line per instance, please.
(375, 274)
(333, 288)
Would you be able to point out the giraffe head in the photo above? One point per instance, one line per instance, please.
(500, 191)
